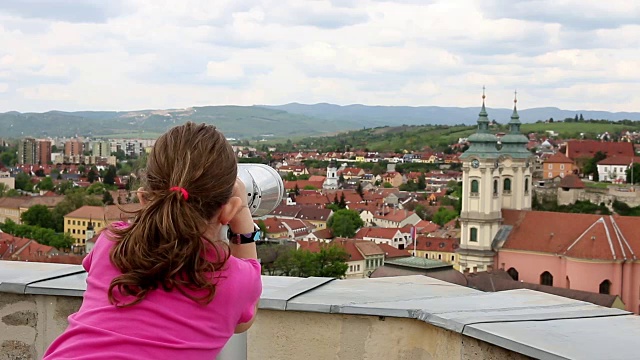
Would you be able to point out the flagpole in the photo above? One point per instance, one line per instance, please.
(413, 236)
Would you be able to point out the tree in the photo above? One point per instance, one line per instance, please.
(345, 223)
(309, 187)
(360, 190)
(443, 216)
(581, 118)
(96, 189)
(46, 184)
(422, 183)
(343, 202)
(387, 185)
(576, 118)
(40, 173)
(296, 190)
(23, 182)
(38, 215)
(107, 199)
(110, 176)
(635, 171)
(92, 175)
(330, 261)
(591, 167)
(3, 189)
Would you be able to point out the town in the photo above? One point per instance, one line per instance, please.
(491, 210)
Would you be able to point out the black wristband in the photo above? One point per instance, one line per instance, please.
(248, 238)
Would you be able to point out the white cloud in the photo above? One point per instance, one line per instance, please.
(224, 70)
(149, 54)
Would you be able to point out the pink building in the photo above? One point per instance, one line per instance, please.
(596, 253)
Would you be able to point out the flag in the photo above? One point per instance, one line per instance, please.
(413, 233)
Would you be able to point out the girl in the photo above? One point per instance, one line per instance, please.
(164, 286)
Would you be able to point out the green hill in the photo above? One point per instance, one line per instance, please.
(243, 122)
(415, 138)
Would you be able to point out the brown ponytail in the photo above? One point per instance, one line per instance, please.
(165, 247)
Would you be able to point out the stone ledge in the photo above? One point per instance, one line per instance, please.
(528, 322)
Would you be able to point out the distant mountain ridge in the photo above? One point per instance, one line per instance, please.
(258, 121)
(374, 116)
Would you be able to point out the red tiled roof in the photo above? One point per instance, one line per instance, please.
(619, 160)
(558, 158)
(588, 148)
(376, 232)
(313, 213)
(274, 225)
(395, 215)
(369, 248)
(312, 199)
(390, 252)
(571, 181)
(588, 237)
(109, 213)
(290, 185)
(324, 234)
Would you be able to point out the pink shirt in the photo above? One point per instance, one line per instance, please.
(165, 325)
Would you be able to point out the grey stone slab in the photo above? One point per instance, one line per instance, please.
(277, 292)
(455, 312)
(611, 337)
(334, 296)
(16, 275)
(71, 285)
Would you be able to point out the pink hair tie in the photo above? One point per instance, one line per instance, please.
(185, 194)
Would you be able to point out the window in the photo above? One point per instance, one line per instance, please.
(474, 187)
(74, 231)
(495, 187)
(605, 287)
(68, 222)
(439, 256)
(74, 222)
(507, 185)
(473, 234)
(561, 166)
(550, 166)
(358, 267)
(546, 278)
(426, 255)
(526, 185)
(84, 223)
(550, 175)
(513, 273)
(84, 232)
(453, 258)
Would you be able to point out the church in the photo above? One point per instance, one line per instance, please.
(589, 252)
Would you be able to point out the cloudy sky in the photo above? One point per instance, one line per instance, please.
(137, 54)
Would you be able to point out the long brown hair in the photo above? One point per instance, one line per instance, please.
(164, 247)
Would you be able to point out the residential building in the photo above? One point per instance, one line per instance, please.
(364, 256)
(614, 168)
(43, 152)
(435, 248)
(391, 236)
(556, 165)
(10, 208)
(6, 179)
(73, 148)
(395, 219)
(98, 217)
(101, 149)
(316, 216)
(28, 151)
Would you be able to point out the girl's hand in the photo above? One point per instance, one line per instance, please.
(242, 222)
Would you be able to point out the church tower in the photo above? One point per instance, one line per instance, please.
(480, 217)
(515, 166)
(331, 181)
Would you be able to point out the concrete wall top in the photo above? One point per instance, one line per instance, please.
(528, 322)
